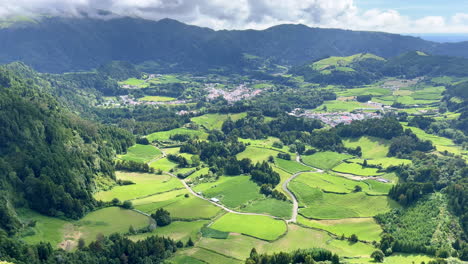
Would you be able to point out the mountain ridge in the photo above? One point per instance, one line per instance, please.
(58, 44)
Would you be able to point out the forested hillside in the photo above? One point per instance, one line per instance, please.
(49, 157)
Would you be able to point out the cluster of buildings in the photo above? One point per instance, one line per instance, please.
(333, 119)
(241, 92)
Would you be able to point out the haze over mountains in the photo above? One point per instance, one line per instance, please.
(71, 44)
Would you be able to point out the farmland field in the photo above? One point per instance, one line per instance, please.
(145, 184)
(270, 206)
(47, 229)
(398, 258)
(263, 227)
(329, 183)
(440, 143)
(338, 106)
(134, 82)
(265, 143)
(300, 238)
(320, 205)
(365, 228)
(177, 230)
(384, 162)
(356, 169)
(163, 164)
(291, 166)
(165, 135)
(375, 91)
(257, 154)
(371, 147)
(109, 220)
(215, 121)
(141, 153)
(325, 160)
(231, 191)
(157, 99)
(207, 256)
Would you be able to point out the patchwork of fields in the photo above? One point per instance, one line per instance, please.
(340, 199)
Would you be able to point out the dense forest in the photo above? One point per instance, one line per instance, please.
(49, 157)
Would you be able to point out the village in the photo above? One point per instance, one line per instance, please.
(241, 92)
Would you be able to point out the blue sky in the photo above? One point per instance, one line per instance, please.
(417, 8)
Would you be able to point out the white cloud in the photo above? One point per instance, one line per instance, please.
(257, 14)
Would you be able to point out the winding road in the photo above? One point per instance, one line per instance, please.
(215, 203)
(284, 186)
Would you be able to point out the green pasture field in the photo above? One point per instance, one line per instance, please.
(356, 169)
(377, 188)
(215, 121)
(384, 162)
(145, 184)
(303, 238)
(340, 106)
(165, 135)
(371, 147)
(109, 220)
(157, 99)
(396, 258)
(165, 79)
(207, 256)
(141, 153)
(411, 100)
(291, 166)
(329, 183)
(257, 154)
(440, 143)
(342, 61)
(274, 207)
(231, 191)
(262, 227)
(403, 92)
(375, 91)
(151, 203)
(324, 160)
(365, 228)
(163, 164)
(239, 246)
(211, 233)
(134, 82)
(283, 177)
(183, 259)
(264, 143)
(198, 173)
(193, 208)
(177, 230)
(322, 205)
(178, 205)
(47, 229)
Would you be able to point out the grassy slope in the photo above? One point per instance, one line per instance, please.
(262, 227)
(165, 135)
(145, 184)
(320, 205)
(365, 228)
(324, 160)
(141, 153)
(215, 121)
(232, 191)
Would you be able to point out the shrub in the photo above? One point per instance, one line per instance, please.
(162, 217)
(378, 256)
